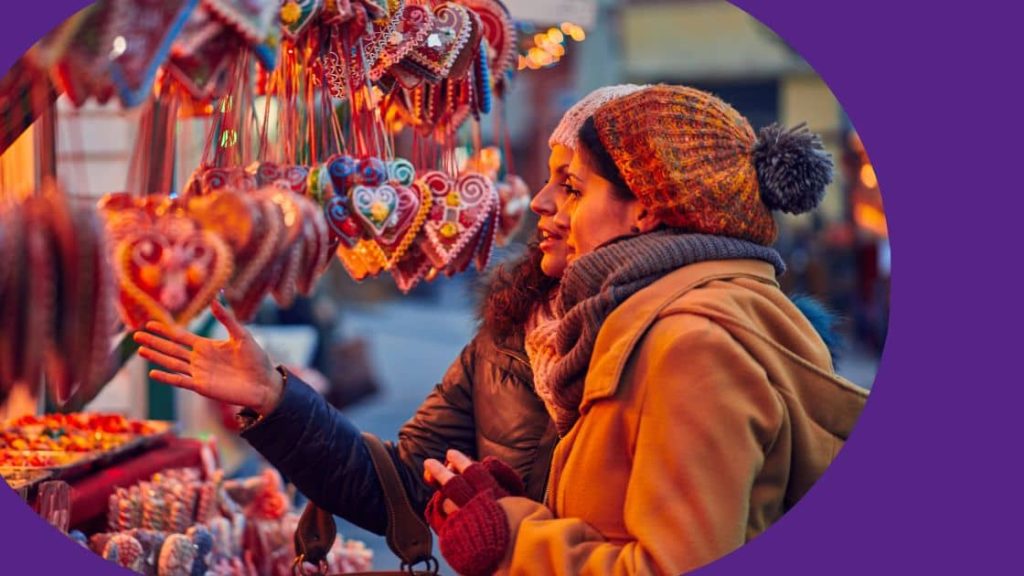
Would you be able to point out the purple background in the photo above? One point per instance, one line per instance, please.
(924, 486)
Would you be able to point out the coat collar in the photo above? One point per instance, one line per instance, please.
(627, 324)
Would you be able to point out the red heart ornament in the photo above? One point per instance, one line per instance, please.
(499, 30)
(82, 71)
(448, 38)
(169, 272)
(457, 213)
(202, 55)
(342, 223)
(404, 31)
(247, 290)
(411, 269)
(316, 244)
(413, 208)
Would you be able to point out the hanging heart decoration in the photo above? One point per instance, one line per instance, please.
(202, 68)
(82, 72)
(405, 30)
(448, 38)
(169, 272)
(401, 172)
(342, 169)
(253, 19)
(246, 292)
(371, 171)
(375, 207)
(148, 28)
(342, 222)
(413, 208)
(459, 209)
(411, 269)
(499, 31)
(316, 245)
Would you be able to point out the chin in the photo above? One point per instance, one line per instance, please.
(552, 267)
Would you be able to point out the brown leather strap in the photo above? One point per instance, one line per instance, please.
(407, 534)
(315, 534)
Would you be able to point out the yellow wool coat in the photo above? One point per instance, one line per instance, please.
(709, 409)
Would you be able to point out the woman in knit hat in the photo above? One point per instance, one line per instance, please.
(695, 404)
(485, 405)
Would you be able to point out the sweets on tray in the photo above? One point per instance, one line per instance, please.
(37, 459)
(80, 432)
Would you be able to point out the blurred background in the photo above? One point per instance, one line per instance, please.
(377, 354)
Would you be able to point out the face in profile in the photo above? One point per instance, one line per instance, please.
(553, 229)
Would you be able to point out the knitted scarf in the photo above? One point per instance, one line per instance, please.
(595, 284)
(541, 349)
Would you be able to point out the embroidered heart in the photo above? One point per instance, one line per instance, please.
(342, 223)
(375, 207)
(148, 29)
(253, 19)
(458, 212)
(413, 207)
(297, 14)
(169, 275)
(401, 172)
(362, 261)
(444, 44)
(406, 30)
(499, 31)
(245, 293)
(342, 169)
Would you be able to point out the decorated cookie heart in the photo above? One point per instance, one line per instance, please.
(316, 245)
(252, 19)
(294, 179)
(499, 31)
(444, 44)
(342, 222)
(342, 170)
(411, 269)
(371, 171)
(413, 207)
(246, 293)
(149, 27)
(83, 69)
(214, 180)
(296, 15)
(401, 172)
(169, 277)
(266, 173)
(458, 212)
(488, 235)
(202, 67)
(404, 31)
(375, 207)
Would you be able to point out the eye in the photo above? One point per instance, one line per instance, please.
(574, 192)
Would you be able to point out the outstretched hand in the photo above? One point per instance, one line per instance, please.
(234, 371)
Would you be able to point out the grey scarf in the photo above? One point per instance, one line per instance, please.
(595, 284)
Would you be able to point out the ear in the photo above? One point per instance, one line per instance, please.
(646, 221)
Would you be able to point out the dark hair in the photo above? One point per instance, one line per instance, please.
(514, 291)
(600, 160)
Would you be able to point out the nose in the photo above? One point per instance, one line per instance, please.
(543, 204)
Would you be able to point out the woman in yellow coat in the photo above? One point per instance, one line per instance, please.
(696, 404)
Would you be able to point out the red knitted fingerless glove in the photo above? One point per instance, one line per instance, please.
(490, 474)
(475, 538)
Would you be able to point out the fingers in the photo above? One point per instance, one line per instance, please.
(166, 346)
(449, 507)
(227, 318)
(173, 333)
(165, 361)
(178, 380)
(437, 472)
(459, 460)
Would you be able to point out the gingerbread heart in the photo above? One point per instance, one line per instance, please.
(413, 207)
(401, 172)
(499, 31)
(316, 245)
(488, 235)
(202, 56)
(246, 293)
(168, 274)
(253, 19)
(82, 72)
(342, 223)
(294, 179)
(342, 170)
(458, 212)
(374, 207)
(445, 43)
(148, 27)
(296, 16)
(371, 171)
(405, 30)
(411, 269)
(266, 173)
